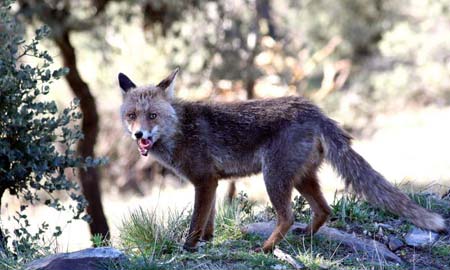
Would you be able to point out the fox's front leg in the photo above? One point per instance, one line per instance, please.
(204, 197)
(208, 233)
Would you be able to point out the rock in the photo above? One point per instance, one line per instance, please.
(279, 267)
(385, 226)
(87, 259)
(394, 243)
(373, 248)
(380, 232)
(420, 238)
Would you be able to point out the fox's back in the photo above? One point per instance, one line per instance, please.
(234, 134)
(246, 121)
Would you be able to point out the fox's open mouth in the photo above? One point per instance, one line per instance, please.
(144, 145)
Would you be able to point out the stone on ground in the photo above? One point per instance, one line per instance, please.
(87, 259)
(419, 238)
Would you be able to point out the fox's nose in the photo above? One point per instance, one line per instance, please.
(138, 134)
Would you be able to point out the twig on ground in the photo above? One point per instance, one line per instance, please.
(281, 255)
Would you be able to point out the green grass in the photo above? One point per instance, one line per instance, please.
(153, 240)
(230, 217)
(149, 234)
(441, 250)
(349, 208)
(154, 244)
(9, 263)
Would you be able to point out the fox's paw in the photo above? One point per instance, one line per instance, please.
(190, 248)
(194, 248)
(257, 249)
(207, 238)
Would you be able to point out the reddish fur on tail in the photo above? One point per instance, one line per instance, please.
(371, 185)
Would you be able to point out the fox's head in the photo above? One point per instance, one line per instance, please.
(146, 112)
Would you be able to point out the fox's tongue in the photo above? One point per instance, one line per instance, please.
(144, 146)
(145, 143)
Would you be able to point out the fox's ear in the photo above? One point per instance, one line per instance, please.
(125, 83)
(168, 84)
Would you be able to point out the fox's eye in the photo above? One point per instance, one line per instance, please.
(152, 116)
(131, 116)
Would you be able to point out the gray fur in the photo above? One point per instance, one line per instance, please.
(365, 181)
(285, 138)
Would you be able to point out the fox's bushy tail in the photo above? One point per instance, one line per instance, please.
(368, 183)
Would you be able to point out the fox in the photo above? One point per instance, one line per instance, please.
(285, 138)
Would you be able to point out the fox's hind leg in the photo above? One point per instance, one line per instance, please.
(231, 192)
(309, 188)
(283, 158)
(279, 190)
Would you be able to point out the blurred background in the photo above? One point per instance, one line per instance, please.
(381, 68)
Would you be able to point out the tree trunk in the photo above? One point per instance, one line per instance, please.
(264, 11)
(3, 240)
(90, 180)
(250, 87)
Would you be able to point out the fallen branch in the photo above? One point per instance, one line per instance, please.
(282, 256)
(374, 249)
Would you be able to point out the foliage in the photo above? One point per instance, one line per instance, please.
(298, 207)
(231, 216)
(349, 208)
(146, 232)
(36, 139)
(360, 24)
(397, 51)
(99, 241)
(235, 47)
(407, 64)
(153, 240)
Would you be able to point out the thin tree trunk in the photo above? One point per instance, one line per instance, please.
(3, 240)
(90, 180)
(250, 87)
(264, 11)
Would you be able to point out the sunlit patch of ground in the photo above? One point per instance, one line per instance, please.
(409, 146)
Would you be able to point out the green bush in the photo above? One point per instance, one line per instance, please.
(36, 139)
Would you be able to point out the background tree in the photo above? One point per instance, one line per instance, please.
(32, 130)
(65, 18)
(59, 16)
